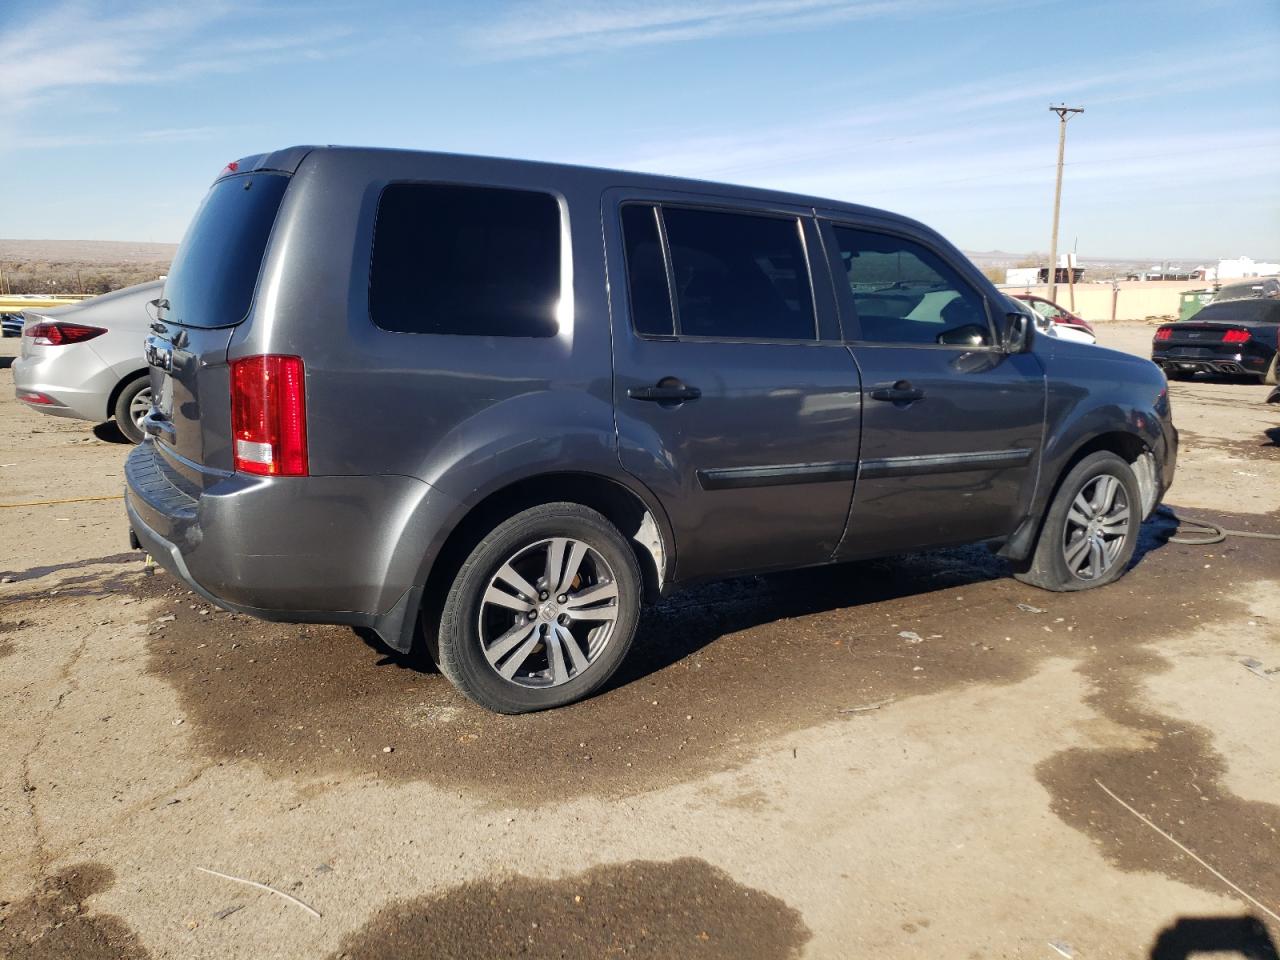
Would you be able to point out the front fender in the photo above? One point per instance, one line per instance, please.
(1094, 392)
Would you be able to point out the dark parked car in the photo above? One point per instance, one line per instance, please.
(512, 400)
(1267, 288)
(1232, 337)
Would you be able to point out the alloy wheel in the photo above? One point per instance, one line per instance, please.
(1097, 527)
(548, 613)
(140, 406)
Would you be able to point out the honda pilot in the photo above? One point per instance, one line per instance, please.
(504, 403)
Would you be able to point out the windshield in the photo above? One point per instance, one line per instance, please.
(213, 276)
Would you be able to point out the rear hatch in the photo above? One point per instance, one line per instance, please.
(208, 293)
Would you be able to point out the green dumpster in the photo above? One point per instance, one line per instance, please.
(1193, 301)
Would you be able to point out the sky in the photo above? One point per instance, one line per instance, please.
(115, 116)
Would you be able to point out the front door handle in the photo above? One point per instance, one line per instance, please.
(900, 392)
(667, 390)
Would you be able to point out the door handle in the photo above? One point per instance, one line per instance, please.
(900, 392)
(667, 390)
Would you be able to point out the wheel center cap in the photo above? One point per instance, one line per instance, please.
(549, 610)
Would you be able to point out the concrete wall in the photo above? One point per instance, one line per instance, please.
(1137, 299)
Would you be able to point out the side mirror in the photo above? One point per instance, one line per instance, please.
(1016, 334)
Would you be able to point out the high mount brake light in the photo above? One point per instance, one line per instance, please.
(1164, 333)
(59, 334)
(1236, 336)
(269, 415)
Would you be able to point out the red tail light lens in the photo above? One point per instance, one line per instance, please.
(1236, 336)
(1164, 333)
(60, 334)
(269, 416)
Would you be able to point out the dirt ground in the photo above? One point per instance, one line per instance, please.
(777, 772)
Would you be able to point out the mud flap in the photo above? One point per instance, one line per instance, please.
(396, 627)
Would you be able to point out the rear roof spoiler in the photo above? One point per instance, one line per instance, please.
(283, 161)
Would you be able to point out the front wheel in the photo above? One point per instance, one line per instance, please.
(542, 612)
(1091, 530)
(132, 406)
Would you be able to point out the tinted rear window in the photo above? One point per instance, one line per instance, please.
(646, 272)
(477, 261)
(739, 276)
(213, 276)
(1240, 311)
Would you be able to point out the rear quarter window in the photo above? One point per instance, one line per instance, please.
(213, 276)
(474, 261)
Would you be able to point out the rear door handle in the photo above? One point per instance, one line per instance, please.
(900, 392)
(667, 390)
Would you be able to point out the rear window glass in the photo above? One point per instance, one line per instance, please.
(478, 261)
(646, 272)
(1240, 311)
(213, 276)
(739, 276)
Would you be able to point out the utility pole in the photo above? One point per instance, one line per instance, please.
(1064, 114)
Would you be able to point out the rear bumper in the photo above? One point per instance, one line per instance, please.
(76, 380)
(307, 549)
(1207, 360)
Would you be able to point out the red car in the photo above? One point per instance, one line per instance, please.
(1052, 311)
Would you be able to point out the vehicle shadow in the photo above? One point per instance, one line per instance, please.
(1244, 936)
(35, 573)
(679, 626)
(108, 432)
(1273, 437)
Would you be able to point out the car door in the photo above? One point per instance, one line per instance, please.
(735, 401)
(951, 424)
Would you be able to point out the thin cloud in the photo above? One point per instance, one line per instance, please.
(78, 47)
(164, 135)
(529, 30)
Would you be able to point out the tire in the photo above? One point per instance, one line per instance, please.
(1057, 563)
(1179, 375)
(1272, 376)
(137, 390)
(479, 639)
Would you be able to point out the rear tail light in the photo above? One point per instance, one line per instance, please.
(1164, 333)
(269, 416)
(1236, 336)
(58, 334)
(33, 396)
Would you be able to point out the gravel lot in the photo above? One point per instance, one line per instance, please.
(777, 772)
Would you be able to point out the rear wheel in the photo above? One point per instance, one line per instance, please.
(132, 405)
(542, 612)
(1091, 529)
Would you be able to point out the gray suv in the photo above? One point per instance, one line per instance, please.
(510, 401)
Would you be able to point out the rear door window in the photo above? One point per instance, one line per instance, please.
(739, 276)
(906, 293)
(475, 261)
(650, 294)
(213, 276)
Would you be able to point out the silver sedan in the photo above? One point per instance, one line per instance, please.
(86, 360)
